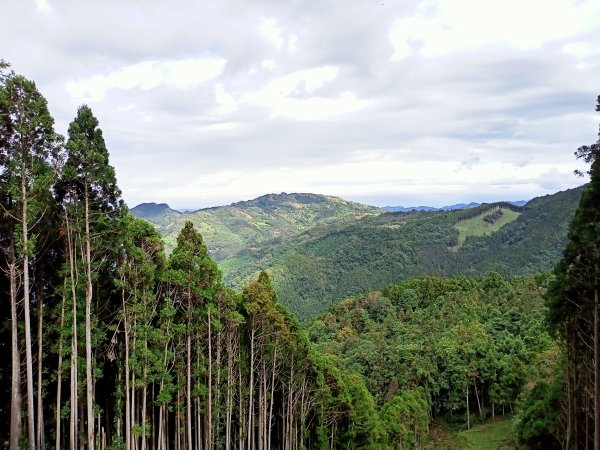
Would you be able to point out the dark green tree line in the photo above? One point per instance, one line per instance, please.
(574, 313)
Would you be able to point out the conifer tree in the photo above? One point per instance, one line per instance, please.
(574, 308)
(89, 182)
(28, 148)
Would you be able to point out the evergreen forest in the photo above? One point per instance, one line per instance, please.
(117, 343)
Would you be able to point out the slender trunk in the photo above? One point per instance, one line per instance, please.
(477, 397)
(40, 417)
(15, 390)
(468, 412)
(250, 441)
(59, 370)
(28, 344)
(240, 404)
(596, 373)
(128, 408)
(189, 378)
(272, 397)
(74, 346)
(229, 399)
(88, 326)
(144, 405)
(209, 405)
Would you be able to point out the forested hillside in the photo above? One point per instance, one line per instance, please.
(452, 350)
(272, 218)
(377, 251)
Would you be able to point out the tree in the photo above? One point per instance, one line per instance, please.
(574, 308)
(28, 148)
(89, 180)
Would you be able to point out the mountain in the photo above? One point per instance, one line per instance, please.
(320, 266)
(320, 249)
(443, 208)
(159, 214)
(271, 218)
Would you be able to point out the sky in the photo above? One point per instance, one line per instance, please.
(412, 102)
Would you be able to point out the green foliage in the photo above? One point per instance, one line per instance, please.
(574, 310)
(443, 337)
(405, 418)
(375, 252)
(538, 418)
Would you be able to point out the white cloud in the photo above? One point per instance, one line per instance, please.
(225, 101)
(292, 96)
(581, 49)
(268, 64)
(446, 26)
(147, 75)
(43, 5)
(271, 31)
(292, 43)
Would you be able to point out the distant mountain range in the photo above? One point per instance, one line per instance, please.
(246, 224)
(320, 249)
(443, 208)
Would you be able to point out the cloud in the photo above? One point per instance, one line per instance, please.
(147, 75)
(408, 102)
(443, 27)
(292, 96)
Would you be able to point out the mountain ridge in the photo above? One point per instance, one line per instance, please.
(321, 249)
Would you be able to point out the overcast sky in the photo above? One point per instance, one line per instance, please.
(386, 102)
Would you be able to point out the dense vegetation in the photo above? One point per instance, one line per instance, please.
(454, 349)
(377, 251)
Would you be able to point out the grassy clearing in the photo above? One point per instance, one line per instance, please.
(493, 435)
(479, 227)
(498, 434)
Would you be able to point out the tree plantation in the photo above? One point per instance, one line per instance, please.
(114, 344)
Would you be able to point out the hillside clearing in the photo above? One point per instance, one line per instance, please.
(478, 226)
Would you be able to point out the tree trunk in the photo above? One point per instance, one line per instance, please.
(468, 412)
(209, 405)
(128, 408)
(189, 379)
(40, 416)
(73, 388)
(596, 373)
(250, 441)
(88, 326)
(28, 344)
(15, 390)
(59, 370)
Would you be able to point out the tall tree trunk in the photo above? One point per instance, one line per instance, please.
(28, 344)
(209, 406)
(272, 397)
(40, 416)
(74, 346)
(250, 439)
(59, 370)
(189, 378)
(15, 389)
(128, 408)
(596, 372)
(88, 325)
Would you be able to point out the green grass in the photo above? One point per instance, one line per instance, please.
(494, 435)
(479, 227)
